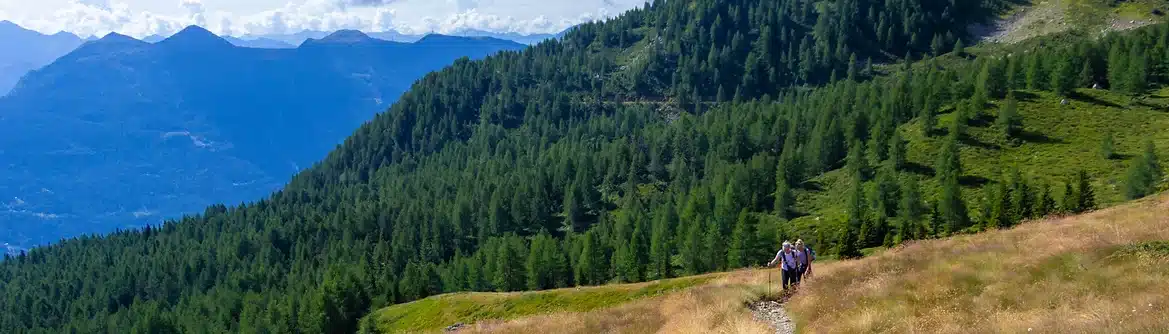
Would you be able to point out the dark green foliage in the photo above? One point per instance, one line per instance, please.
(1045, 205)
(951, 207)
(911, 211)
(1079, 196)
(744, 246)
(1143, 175)
(1107, 147)
(1009, 121)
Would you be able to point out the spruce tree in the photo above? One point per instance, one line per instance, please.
(1118, 62)
(1070, 201)
(897, 151)
(1138, 71)
(742, 242)
(911, 210)
(1087, 77)
(660, 248)
(928, 120)
(1107, 147)
(1063, 75)
(784, 198)
(1085, 195)
(1009, 122)
(1143, 174)
(1034, 72)
(848, 239)
(1022, 197)
(938, 46)
(1000, 207)
(950, 204)
(1046, 203)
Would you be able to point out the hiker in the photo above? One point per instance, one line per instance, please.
(809, 255)
(788, 261)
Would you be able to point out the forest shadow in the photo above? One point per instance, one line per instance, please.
(1092, 99)
(1039, 138)
(971, 141)
(1157, 107)
(1025, 96)
(919, 169)
(973, 180)
(1122, 156)
(981, 120)
(811, 186)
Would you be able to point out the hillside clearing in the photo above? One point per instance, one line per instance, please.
(1106, 271)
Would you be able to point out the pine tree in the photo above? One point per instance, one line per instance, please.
(1087, 77)
(1009, 122)
(1062, 75)
(848, 240)
(1085, 195)
(897, 151)
(1015, 79)
(1138, 71)
(857, 163)
(1107, 150)
(1046, 203)
(1143, 174)
(1000, 209)
(659, 248)
(1034, 72)
(1022, 197)
(1070, 200)
(910, 209)
(950, 204)
(1118, 62)
(962, 115)
(938, 46)
(959, 48)
(742, 241)
(928, 119)
(784, 199)
(692, 249)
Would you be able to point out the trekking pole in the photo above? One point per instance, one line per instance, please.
(768, 283)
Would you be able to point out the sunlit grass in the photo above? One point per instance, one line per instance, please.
(435, 313)
(1102, 272)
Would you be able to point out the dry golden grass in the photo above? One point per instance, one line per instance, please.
(1062, 275)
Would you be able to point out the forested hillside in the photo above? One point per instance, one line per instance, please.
(672, 140)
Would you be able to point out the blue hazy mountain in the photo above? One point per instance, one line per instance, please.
(24, 50)
(120, 132)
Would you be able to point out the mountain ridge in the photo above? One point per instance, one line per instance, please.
(110, 101)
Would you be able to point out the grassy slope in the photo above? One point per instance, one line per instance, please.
(1106, 271)
(437, 312)
(1060, 140)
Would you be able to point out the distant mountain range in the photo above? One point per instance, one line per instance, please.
(25, 50)
(122, 132)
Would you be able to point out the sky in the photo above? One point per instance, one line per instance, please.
(141, 18)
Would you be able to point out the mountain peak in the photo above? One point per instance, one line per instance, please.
(196, 36)
(114, 37)
(347, 36)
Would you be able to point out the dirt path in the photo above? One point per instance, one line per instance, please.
(772, 313)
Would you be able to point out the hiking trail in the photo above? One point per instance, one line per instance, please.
(772, 313)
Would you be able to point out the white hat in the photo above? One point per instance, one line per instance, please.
(787, 244)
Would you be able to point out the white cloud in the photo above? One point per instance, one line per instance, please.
(98, 17)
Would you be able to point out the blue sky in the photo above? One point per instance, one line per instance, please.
(142, 18)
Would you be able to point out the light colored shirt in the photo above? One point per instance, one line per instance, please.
(788, 260)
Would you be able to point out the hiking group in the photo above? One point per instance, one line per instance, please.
(795, 263)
